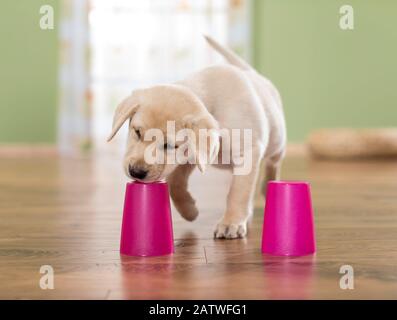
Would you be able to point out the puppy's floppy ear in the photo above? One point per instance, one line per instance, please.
(126, 109)
(207, 146)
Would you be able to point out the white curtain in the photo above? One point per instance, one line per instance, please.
(75, 106)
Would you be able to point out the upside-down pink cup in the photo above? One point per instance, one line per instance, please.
(147, 222)
(288, 226)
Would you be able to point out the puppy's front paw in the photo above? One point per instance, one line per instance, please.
(230, 230)
(187, 208)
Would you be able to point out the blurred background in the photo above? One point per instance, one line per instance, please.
(59, 87)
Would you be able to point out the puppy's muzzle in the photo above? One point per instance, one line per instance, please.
(137, 173)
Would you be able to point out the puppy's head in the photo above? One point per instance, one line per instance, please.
(149, 111)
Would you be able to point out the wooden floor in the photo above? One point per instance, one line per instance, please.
(66, 213)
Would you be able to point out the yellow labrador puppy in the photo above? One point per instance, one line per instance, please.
(219, 99)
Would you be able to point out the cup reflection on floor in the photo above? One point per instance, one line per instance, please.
(162, 277)
(289, 277)
(145, 278)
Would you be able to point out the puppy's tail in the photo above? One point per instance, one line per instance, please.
(229, 55)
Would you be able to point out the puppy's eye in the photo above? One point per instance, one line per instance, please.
(138, 133)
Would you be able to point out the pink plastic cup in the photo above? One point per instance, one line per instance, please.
(288, 226)
(147, 221)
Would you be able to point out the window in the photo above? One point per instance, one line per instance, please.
(140, 43)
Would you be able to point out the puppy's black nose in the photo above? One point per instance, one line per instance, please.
(137, 173)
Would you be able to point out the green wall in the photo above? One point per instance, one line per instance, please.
(329, 77)
(28, 73)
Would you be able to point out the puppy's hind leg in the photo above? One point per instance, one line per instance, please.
(272, 169)
(181, 197)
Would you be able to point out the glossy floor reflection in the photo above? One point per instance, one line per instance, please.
(67, 213)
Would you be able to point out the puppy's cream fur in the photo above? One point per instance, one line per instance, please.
(232, 96)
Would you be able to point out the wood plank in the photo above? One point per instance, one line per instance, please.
(66, 212)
